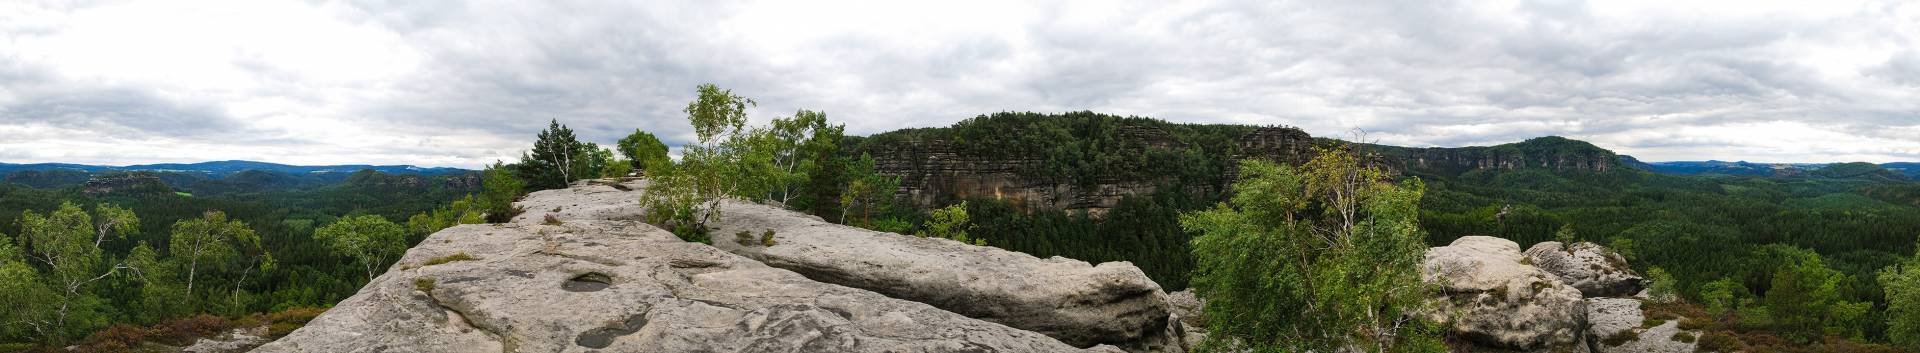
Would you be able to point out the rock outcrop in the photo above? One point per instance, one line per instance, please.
(1595, 270)
(1492, 297)
(1073, 301)
(1076, 302)
(1615, 325)
(600, 281)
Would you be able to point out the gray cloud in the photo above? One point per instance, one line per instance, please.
(463, 83)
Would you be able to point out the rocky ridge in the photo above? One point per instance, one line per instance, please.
(596, 279)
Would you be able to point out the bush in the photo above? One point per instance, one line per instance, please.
(766, 238)
(460, 256)
(1721, 342)
(1620, 338)
(281, 323)
(116, 338)
(1683, 337)
(744, 238)
(184, 331)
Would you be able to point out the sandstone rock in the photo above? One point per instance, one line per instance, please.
(1608, 317)
(1595, 270)
(623, 286)
(1491, 297)
(1079, 303)
(236, 341)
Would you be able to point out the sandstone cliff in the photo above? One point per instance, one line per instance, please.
(1012, 166)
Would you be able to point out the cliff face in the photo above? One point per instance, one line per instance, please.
(1552, 153)
(126, 184)
(932, 168)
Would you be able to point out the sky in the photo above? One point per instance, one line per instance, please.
(464, 83)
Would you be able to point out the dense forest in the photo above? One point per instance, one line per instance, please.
(149, 255)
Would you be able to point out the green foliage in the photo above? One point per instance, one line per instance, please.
(423, 284)
(558, 158)
(1722, 296)
(1661, 287)
(455, 257)
(951, 222)
(1902, 285)
(369, 240)
(868, 195)
(728, 160)
(1320, 258)
(212, 243)
(644, 152)
(1805, 299)
(500, 189)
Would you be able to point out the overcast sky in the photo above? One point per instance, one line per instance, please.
(463, 83)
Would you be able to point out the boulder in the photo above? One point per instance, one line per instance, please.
(1610, 320)
(624, 286)
(1079, 303)
(1190, 311)
(1595, 270)
(1489, 295)
(235, 341)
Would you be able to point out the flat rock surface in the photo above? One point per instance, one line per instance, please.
(1071, 300)
(623, 286)
(1611, 316)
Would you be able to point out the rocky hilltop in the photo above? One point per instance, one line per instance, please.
(1087, 161)
(579, 273)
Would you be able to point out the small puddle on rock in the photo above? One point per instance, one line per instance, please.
(591, 282)
(603, 337)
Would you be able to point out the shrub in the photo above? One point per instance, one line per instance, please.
(459, 256)
(1721, 342)
(1691, 324)
(1651, 322)
(281, 323)
(116, 338)
(185, 331)
(1620, 338)
(744, 238)
(766, 238)
(552, 221)
(1683, 337)
(425, 285)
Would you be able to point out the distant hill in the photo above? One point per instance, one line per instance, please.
(1892, 171)
(209, 177)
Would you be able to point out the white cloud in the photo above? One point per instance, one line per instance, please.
(464, 83)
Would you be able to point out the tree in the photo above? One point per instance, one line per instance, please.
(1902, 285)
(1662, 288)
(369, 240)
(725, 162)
(1722, 296)
(644, 151)
(1805, 299)
(556, 159)
(793, 143)
(499, 189)
(64, 242)
(208, 239)
(1321, 258)
(28, 298)
(161, 297)
(868, 194)
(951, 222)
